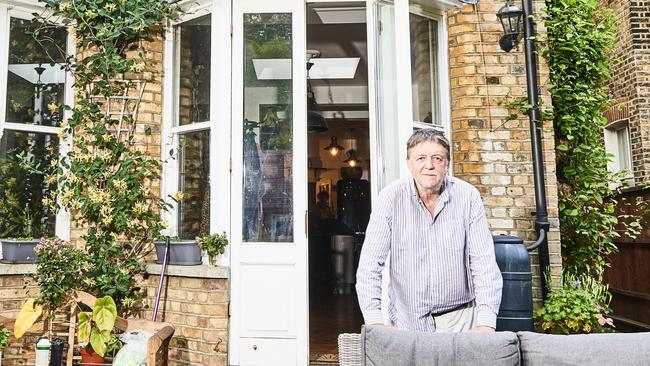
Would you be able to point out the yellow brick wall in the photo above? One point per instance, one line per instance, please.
(489, 152)
(198, 308)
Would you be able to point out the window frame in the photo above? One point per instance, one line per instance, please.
(442, 70)
(613, 147)
(8, 11)
(218, 123)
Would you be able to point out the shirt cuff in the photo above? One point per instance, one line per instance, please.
(373, 317)
(486, 318)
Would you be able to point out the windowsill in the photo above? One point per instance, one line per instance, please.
(7, 269)
(199, 271)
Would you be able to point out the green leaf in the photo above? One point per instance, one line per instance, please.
(105, 313)
(98, 340)
(84, 327)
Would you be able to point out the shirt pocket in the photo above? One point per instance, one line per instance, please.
(451, 235)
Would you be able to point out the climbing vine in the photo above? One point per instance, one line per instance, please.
(580, 39)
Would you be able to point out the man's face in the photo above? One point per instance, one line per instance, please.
(428, 164)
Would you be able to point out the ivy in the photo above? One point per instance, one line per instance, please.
(580, 39)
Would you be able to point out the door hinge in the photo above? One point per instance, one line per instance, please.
(306, 223)
(231, 30)
(380, 27)
(230, 167)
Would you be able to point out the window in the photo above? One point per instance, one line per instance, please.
(617, 143)
(424, 70)
(32, 86)
(191, 125)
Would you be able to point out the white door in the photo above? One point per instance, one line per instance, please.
(269, 304)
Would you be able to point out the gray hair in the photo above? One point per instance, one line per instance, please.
(427, 135)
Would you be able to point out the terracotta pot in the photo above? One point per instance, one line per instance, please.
(89, 357)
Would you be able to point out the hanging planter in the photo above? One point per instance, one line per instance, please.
(18, 251)
(181, 252)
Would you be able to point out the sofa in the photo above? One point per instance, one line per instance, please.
(383, 346)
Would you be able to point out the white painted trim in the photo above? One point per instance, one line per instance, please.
(25, 127)
(23, 10)
(4, 65)
(192, 127)
(65, 145)
(221, 132)
(403, 64)
(373, 128)
(169, 176)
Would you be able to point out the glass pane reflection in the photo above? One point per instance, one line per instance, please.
(194, 182)
(194, 71)
(35, 86)
(25, 162)
(267, 129)
(424, 64)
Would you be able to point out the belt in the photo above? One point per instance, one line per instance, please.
(459, 307)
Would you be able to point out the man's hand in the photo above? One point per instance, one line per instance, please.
(482, 329)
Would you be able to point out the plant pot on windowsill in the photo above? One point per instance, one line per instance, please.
(181, 253)
(18, 251)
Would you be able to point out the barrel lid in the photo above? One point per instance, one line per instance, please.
(507, 239)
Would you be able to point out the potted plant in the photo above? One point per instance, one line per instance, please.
(182, 252)
(95, 329)
(213, 244)
(4, 340)
(60, 270)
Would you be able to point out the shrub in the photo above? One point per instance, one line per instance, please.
(579, 306)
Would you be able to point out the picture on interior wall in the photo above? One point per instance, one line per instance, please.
(324, 185)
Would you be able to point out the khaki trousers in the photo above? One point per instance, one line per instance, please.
(457, 321)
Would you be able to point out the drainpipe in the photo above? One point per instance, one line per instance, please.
(541, 221)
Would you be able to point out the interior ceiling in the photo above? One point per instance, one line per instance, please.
(340, 40)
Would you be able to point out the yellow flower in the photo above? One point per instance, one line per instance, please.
(179, 196)
(65, 124)
(120, 185)
(53, 107)
(139, 67)
(64, 6)
(90, 14)
(140, 208)
(53, 163)
(110, 7)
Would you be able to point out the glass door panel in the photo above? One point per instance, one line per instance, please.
(268, 121)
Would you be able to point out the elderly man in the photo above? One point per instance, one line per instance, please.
(443, 273)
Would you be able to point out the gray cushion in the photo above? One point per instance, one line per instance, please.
(585, 349)
(394, 347)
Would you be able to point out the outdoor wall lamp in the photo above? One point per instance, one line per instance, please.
(511, 18)
(334, 147)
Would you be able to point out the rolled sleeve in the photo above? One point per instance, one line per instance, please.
(485, 274)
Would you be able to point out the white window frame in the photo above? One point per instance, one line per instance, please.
(613, 147)
(218, 124)
(442, 68)
(24, 10)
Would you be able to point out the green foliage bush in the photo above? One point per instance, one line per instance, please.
(4, 337)
(580, 39)
(104, 180)
(579, 306)
(60, 270)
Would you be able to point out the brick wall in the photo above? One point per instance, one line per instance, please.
(492, 154)
(630, 84)
(198, 308)
(14, 290)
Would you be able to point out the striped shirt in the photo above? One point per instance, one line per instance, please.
(436, 263)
